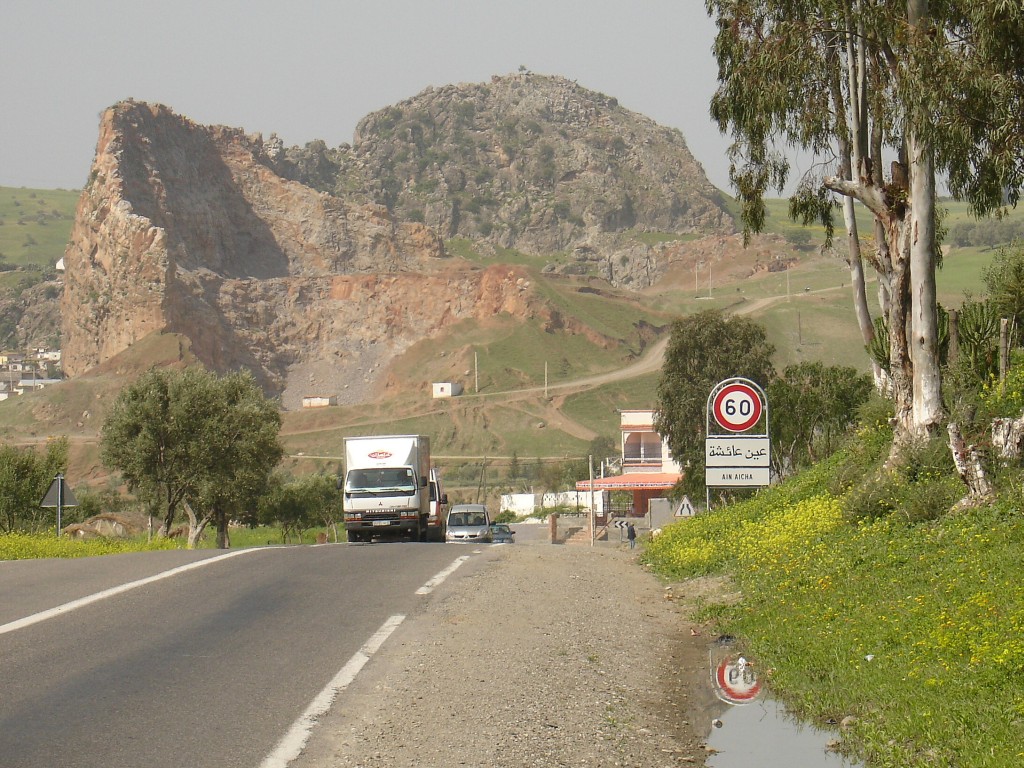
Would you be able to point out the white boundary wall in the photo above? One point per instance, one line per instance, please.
(527, 503)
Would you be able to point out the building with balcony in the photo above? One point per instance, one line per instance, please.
(648, 469)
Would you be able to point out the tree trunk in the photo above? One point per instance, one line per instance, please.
(1007, 436)
(901, 367)
(968, 466)
(223, 535)
(196, 525)
(929, 411)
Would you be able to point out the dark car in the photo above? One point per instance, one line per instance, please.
(502, 534)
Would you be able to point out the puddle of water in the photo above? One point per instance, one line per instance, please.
(755, 730)
(762, 733)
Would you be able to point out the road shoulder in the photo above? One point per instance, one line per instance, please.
(549, 655)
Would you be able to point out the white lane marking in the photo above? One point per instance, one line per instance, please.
(59, 610)
(437, 580)
(293, 742)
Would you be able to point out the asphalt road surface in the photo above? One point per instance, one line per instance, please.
(210, 665)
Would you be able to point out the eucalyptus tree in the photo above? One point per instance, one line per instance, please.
(937, 83)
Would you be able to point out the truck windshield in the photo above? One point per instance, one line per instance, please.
(387, 480)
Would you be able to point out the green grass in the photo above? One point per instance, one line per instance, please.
(915, 629)
(36, 225)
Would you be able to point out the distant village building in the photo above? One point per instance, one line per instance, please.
(648, 469)
(319, 401)
(446, 389)
(29, 384)
(25, 372)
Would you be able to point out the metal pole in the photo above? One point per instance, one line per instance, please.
(60, 499)
(593, 509)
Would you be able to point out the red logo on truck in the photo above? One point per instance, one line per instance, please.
(380, 455)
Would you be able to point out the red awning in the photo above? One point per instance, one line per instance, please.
(635, 481)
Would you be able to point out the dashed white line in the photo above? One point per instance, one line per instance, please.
(437, 580)
(293, 742)
(60, 610)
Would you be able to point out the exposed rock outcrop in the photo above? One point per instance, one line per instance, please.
(526, 161)
(183, 228)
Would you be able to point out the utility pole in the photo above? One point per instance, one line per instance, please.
(593, 509)
(476, 373)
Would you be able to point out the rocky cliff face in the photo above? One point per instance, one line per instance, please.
(184, 228)
(526, 161)
(315, 267)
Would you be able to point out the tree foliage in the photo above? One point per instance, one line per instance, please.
(703, 350)
(1004, 285)
(298, 504)
(25, 476)
(938, 85)
(193, 440)
(812, 405)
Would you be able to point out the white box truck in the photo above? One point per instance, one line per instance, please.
(387, 487)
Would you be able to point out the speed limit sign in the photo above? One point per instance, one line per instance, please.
(737, 407)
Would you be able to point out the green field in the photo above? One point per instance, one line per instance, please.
(35, 225)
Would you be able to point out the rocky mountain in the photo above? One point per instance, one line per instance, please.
(526, 161)
(314, 267)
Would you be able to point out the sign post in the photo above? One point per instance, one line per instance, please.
(737, 448)
(59, 496)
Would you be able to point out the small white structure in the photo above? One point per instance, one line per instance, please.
(446, 389)
(319, 401)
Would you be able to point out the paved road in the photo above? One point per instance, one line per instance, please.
(210, 666)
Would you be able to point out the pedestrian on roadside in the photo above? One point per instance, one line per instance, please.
(631, 535)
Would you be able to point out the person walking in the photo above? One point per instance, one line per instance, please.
(631, 535)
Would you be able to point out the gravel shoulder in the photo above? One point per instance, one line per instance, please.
(536, 655)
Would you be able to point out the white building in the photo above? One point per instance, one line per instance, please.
(319, 401)
(446, 389)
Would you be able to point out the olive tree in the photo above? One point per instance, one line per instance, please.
(25, 474)
(192, 440)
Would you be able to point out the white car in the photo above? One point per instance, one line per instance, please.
(468, 522)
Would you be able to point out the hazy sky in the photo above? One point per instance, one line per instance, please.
(309, 69)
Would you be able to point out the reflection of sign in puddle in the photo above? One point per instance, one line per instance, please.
(735, 680)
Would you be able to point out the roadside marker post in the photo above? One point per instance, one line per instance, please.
(59, 496)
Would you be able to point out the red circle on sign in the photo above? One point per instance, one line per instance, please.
(737, 407)
(737, 681)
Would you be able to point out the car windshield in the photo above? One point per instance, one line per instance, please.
(467, 518)
(397, 479)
